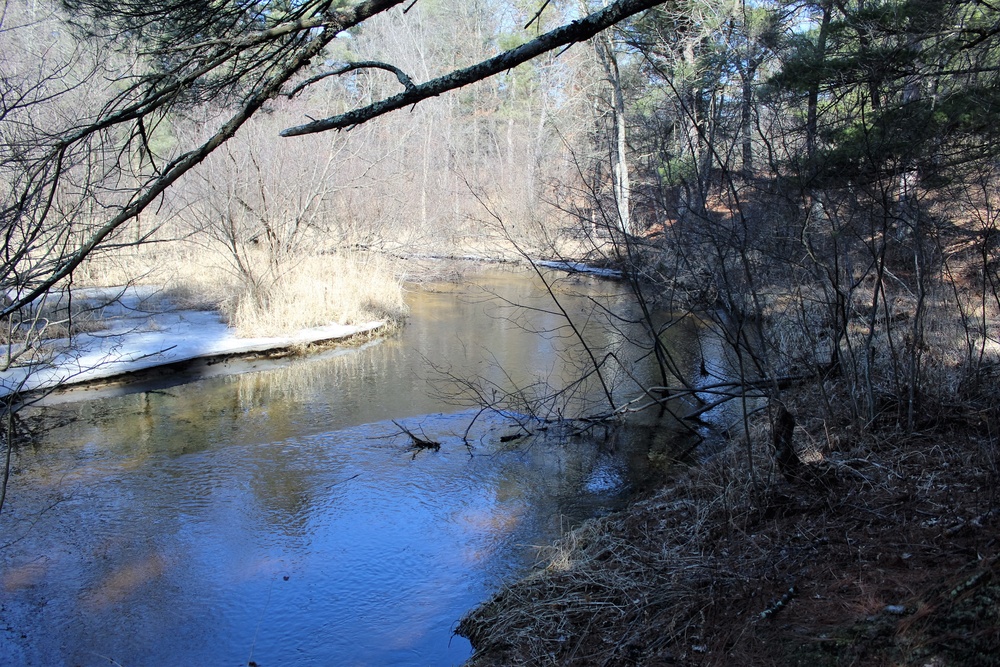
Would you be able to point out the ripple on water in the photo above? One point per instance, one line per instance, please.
(283, 518)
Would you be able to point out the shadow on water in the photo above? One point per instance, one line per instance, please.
(281, 517)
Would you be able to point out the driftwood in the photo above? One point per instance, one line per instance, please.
(416, 442)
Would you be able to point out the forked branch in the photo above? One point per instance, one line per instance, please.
(571, 33)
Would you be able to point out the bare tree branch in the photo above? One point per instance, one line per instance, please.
(537, 14)
(305, 49)
(404, 79)
(577, 31)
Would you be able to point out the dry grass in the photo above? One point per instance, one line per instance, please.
(342, 287)
(718, 570)
(192, 276)
(318, 290)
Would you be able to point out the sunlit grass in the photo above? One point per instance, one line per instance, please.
(338, 287)
(345, 288)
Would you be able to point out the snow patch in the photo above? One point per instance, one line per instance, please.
(139, 337)
(577, 267)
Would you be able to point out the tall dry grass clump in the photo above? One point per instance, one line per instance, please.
(345, 288)
(260, 297)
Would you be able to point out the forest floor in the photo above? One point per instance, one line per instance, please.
(883, 551)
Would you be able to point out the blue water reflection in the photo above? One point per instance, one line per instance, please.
(281, 518)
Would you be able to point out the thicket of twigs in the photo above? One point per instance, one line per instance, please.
(874, 325)
(882, 551)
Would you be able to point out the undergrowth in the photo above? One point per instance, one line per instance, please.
(843, 565)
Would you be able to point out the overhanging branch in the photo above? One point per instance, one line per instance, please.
(403, 78)
(62, 266)
(577, 31)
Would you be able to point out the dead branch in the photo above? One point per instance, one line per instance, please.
(416, 442)
(565, 35)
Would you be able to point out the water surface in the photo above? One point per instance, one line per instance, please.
(281, 517)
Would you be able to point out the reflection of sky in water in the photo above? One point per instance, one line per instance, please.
(605, 477)
(280, 516)
(335, 548)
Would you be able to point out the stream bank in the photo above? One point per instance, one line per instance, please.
(887, 554)
(284, 517)
(142, 330)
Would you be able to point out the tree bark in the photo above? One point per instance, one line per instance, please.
(783, 430)
(619, 158)
(577, 31)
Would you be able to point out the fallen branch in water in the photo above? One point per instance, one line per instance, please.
(416, 442)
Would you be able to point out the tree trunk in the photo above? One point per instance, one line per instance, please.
(619, 159)
(783, 430)
(819, 56)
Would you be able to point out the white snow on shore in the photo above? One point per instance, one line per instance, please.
(577, 267)
(144, 332)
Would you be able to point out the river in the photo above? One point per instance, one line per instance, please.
(281, 517)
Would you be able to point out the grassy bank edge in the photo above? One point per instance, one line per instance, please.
(883, 553)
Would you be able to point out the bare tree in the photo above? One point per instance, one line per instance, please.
(75, 176)
(245, 53)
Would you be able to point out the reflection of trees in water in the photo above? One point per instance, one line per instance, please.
(554, 483)
(284, 481)
(576, 347)
(269, 413)
(308, 378)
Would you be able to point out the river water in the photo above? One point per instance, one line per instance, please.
(280, 517)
